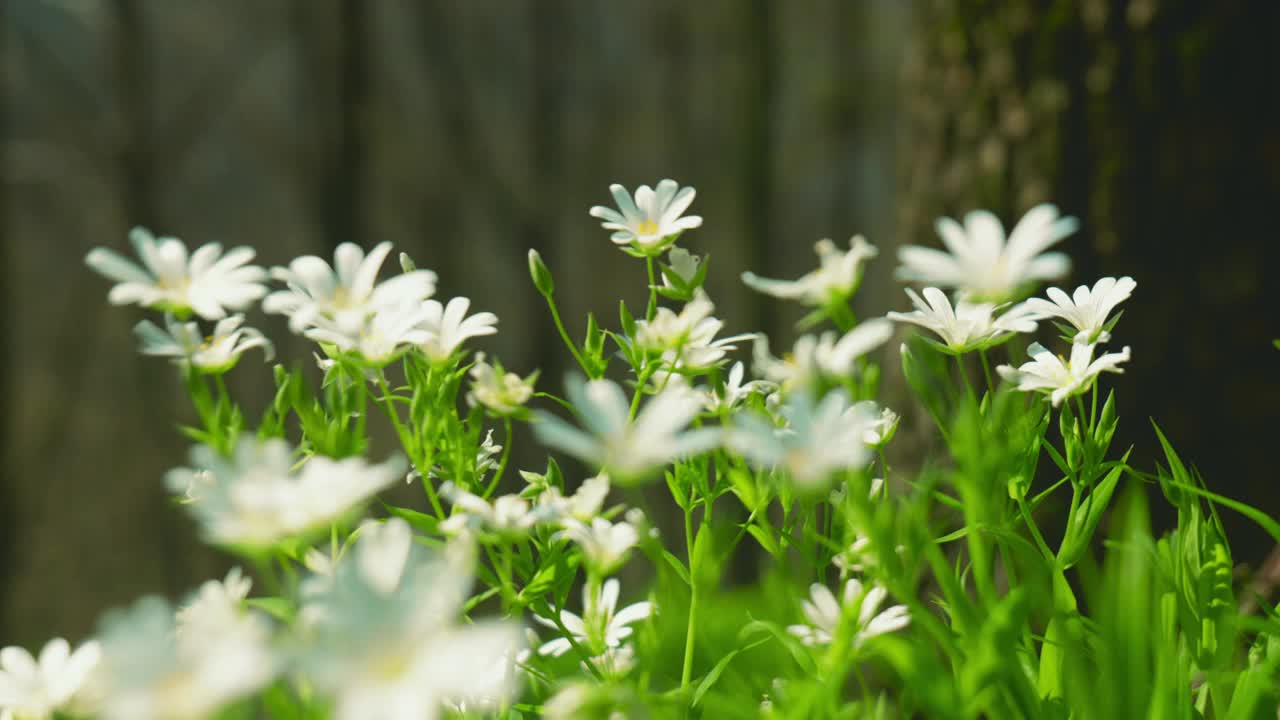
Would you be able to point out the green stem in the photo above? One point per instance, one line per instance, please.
(564, 335)
(686, 673)
(986, 370)
(502, 463)
(641, 380)
(652, 308)
(407, 442)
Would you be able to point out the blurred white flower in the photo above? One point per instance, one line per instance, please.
(396, 651)
(814, 443)
(257, 499)
(734, 391)
(980, 264)
(1088, 309)
(508, 515)
(345, 294)
(1048, 373)
(35, 688)
(379, 338)
(207, 282)
(447, 327)
(651, 221)
(816, 357)
(215, 606)
(627, 449)
(156, 669)
(884, 426)
(605, 545)
(382, 550)
(500, 392)
(835, 280)
(584, 505)
(825, 614)
(215, 354)
(968, 326)
(683, 264)
(601, 627)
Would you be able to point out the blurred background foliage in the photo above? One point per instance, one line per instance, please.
(468, 132)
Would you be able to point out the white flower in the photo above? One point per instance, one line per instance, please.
(816, 441)
(627, 449)
(257, 499)
(448, 327)
(980, 264)
(601, 627)
(1048, 373)
(584, 505)
(1087, 311)
(686, 341)
(207, 283)
(347, 293)
(382, 550)
(734, 390)
(884, 426)
(824, 356)
(381, 336)
(33, 689)
(835, 280)
(508, 515)
(153, 669)
(216, 605)
(968, 326)
(825, 614)
(396, 651)
(184, 342)
(604, 545)
(651, 221)
(495, 389)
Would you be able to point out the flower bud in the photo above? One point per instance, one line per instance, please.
(540, 275)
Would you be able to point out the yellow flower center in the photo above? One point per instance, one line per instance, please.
(648, 227)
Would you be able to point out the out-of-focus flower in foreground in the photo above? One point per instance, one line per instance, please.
(35, 688)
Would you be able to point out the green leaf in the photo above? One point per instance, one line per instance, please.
(277, 607)
(678, 566)
(765, 539)
(718, 670)
(421, 521)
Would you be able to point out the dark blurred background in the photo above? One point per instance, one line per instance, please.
(467, 131)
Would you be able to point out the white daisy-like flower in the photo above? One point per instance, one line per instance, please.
(601, 627)
(605, 545)
(627, 449)
(154, 669)
(825, 614)
(583, 505)
(207, 283)
(508, 515)
(380, 338)
(498, 391)
(814, 443)
(836, 279)
(735, 391)
(35, 688)
(214, 606)
(257, 499)
(685, 340)
(448, 326)
(967, 326)
(214, 354)
(980, 264)
(1088, 309)
(815, 357)
(346, 293)
(1059, 379)
(651, 221)
(395, 650)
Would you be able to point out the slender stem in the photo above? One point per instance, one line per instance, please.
(564, 335)
(986, 369)
(652, 308)
(964, 376)
(686, 674)
(407, 442)
(1035, 529)
(641, 380)
(502, 464)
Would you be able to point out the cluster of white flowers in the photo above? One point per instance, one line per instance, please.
(601, 630)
